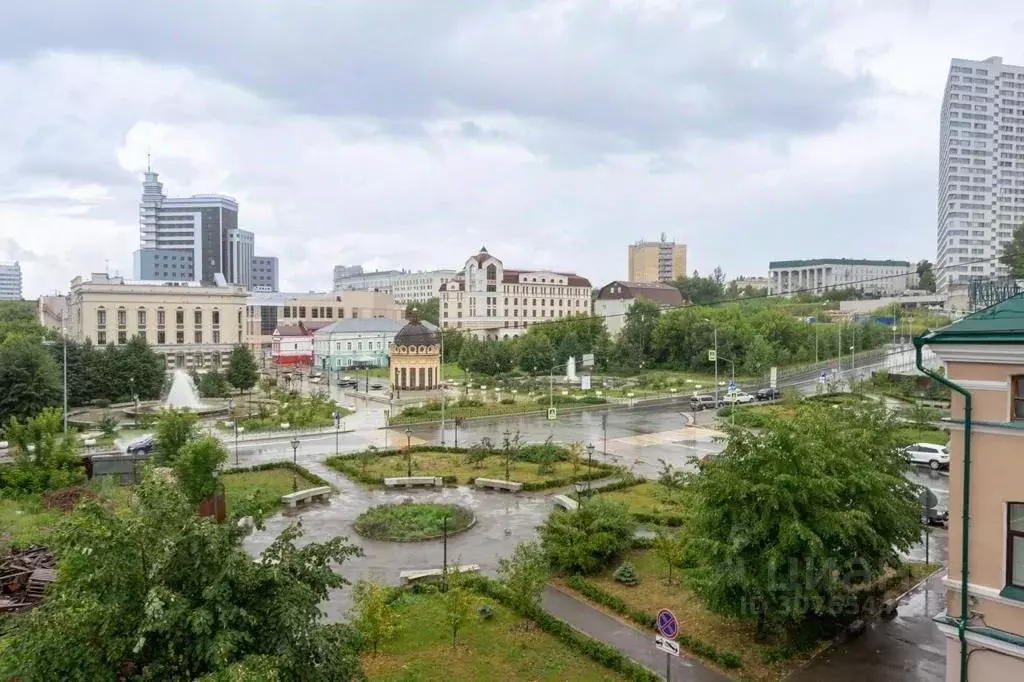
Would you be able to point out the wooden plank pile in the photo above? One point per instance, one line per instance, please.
(24, 577)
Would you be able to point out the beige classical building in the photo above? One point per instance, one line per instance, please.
(984, 355)
(193, 326)
(489, 300)
(416, 357)
(662, 261)
(266, 311)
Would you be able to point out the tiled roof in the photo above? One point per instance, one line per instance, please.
(1001, 322)
(665, 294)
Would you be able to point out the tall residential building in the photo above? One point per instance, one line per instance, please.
(816, 276)
(419, 286)
(10, 281)
(983, 619)
(190, 239)
(981, 169)
(343, 271)
(378, 280)
(264, 273)
(490, 301)
(662, 261)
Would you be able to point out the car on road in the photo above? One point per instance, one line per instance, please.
(348, 383)
(143, 446)
(703, 402)
(933, 455)
(737, 398)
(768, 394)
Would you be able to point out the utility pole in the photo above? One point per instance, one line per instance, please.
(440, 381)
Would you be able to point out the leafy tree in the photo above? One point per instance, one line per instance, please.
(925, 276)
(138, 367)
(242, 371)
(453, 340)
(535, 353)
(213, 385)
(1012, 255)
(45, 458)
(174, 430)
(634, 347)
(157, 593)
(526, 574)
(373, 616)
(699, 290)
(196, 465)
(108, 424)
(670, 548)
(428, 310)
(457, 599)
(786, 520)
(29, 379)
(583, 541)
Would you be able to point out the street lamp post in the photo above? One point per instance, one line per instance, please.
(604, 429)
(408, 453)
(590, 466)
(337, 430)
(508, 454)
(457, 422)
(295, 463)
(440, 383)
(444, 556)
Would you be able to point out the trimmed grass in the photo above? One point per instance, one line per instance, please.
(268, 484)
(913, 434)
(488, 410)
(725, 633)
(653, 593)
(650, 499)
(454, 464)
(25, 522)
(506, 647)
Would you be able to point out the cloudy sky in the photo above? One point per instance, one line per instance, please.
(406, 133)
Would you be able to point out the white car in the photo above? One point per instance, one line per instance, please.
(935, 456)
(738, 397)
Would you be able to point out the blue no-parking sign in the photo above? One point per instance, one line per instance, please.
(668, 626)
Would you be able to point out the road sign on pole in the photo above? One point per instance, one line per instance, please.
(667, 645)
(552, 413)
(668, 626)
(712, 355)
(732, 386)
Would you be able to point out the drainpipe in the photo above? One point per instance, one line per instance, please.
(965, 516)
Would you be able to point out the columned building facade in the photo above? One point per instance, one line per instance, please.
(416, 357)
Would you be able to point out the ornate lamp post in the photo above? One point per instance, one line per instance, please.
(295, 462)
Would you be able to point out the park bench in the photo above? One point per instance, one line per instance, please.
(498, 484)
(566, 502)
(407, 577)
(296, 498)
(414, 481)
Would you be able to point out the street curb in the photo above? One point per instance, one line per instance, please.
(613, 616)
(838, 639)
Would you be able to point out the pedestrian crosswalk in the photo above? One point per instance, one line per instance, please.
(664, 437)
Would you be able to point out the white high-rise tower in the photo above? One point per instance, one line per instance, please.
(981, 168)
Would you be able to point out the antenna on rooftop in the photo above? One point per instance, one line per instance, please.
(149, 159)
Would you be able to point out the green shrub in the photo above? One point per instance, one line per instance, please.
(584, 540)
(507, 401)
(626, 574)
(709, 652)
(468, 402)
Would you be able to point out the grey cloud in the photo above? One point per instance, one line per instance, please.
(648, 79)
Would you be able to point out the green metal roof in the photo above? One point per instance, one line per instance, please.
(999, 323)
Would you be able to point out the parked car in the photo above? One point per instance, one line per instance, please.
(737, 397)
(348, 383)
(935, 456)
(143, 446)
(703, 402)
(768, 394)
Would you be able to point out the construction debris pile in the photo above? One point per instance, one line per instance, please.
(24, 575)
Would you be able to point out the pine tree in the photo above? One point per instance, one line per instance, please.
(627, 575)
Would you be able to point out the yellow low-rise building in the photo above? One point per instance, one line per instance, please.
(191, 325)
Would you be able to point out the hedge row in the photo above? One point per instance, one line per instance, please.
(355, 471)
(647, 620)
(489, 410)
(628, 480)
(598, 652)
(291, 466)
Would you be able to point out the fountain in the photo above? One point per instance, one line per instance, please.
(183, 393)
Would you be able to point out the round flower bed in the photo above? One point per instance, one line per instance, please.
(411, 522)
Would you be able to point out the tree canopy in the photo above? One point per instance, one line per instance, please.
(785, 521)
(158, 593)
(925, 276)
(111, 373)
(242, 370)
(1012, 255)
(29, 378)
(428, 310)
(584, 540)
(45, 458)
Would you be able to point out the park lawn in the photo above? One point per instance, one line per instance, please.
(454, 464)
(268, 484)
(916, 434)
(649, 499)
(653, 593)
(506, 647)
(695, 619)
